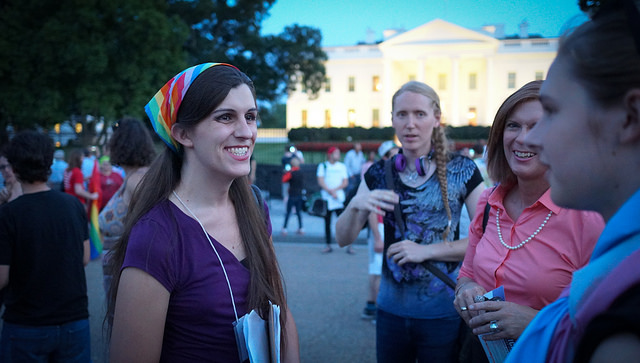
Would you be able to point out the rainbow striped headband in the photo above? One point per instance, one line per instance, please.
(162, 109)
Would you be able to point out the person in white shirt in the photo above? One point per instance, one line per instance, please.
(354, 159)
(332, 179)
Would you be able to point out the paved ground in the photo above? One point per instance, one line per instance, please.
(326, 294)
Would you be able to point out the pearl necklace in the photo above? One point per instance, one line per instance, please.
(528, 238)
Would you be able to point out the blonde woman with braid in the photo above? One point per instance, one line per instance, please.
(416, 320)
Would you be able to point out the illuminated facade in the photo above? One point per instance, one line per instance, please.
(472, 72)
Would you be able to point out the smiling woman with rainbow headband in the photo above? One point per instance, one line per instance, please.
(196, 253)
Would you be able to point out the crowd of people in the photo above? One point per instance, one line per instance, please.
(188, 253)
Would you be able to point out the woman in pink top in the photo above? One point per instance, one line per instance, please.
(529, 245)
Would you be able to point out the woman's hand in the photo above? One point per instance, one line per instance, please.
(511, 319)
(408, 251)
(466, 291)
(377, 201)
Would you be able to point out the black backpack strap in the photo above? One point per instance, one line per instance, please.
(485, 217)
(487, 209)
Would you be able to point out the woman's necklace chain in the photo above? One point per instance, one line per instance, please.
(412, 175)
(528, 238)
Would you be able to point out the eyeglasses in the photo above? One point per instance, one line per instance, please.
(2, 167)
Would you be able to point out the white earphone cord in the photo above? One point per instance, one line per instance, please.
(235, 312)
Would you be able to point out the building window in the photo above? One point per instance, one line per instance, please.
(377, 86)
(539, 76)
(352, 84)
(375, 118)
(327, 84)
(304, 118)
(473, 78)
(327, 118)
(412, 77)
(511, 82)
(472, 116)
(442, 82)
(351, 117)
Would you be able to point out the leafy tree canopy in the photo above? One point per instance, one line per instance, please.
(60, 58)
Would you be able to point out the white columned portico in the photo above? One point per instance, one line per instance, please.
(489, 112)
(388, 87)
(455, 80)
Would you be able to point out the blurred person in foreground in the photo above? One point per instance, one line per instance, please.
(589, 137)
(196, 253)
(529, 245)
(416, 320)
(44, 246)
(11, 189)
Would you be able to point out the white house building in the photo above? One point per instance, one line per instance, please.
(472, 72)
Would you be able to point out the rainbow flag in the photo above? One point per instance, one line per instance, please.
(94, 230)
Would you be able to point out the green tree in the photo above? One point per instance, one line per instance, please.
(273, 116)
(226, 31)
(65, 59)
(60, 58)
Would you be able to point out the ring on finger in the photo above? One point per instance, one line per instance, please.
(463, 308)
(493, 325)
(478, 298)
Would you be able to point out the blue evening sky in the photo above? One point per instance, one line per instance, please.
(345, 22)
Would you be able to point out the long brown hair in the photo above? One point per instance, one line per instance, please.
(439, 143)
(206, 92)
(75, 159)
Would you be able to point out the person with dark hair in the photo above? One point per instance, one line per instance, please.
(589, 138)
(420, 193)
(294, 178)
(523, 242)
(74, 180)
(44, 246)
(11, 188)
(131, 148)
(196, 253)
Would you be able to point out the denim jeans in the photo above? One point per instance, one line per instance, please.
(70, 342)
(400, 340)
(294, 201)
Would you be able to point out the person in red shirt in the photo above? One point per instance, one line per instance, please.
(110, 182)
(74, 180)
